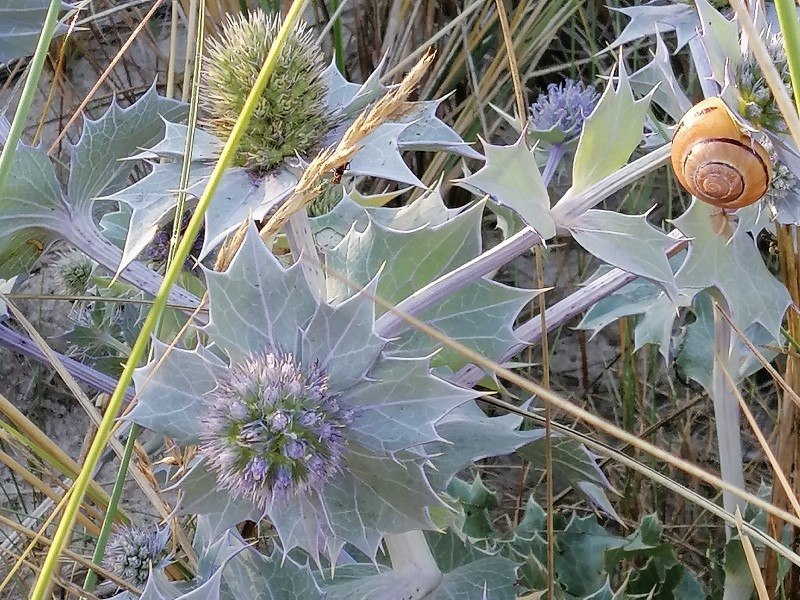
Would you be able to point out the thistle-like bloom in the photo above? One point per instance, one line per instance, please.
(291, 116)
(564, 107)
(74, 270)
(756, 102)
(132, 551)
(326, 201)
(303, 412)
(272, 428)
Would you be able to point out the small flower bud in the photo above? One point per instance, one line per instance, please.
(132, 551)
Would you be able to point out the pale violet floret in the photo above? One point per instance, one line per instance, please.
(564, 107)
(133, 551)
(271, 427)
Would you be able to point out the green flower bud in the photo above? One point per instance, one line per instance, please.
(756, 102)
(291, 116)
(74, 270)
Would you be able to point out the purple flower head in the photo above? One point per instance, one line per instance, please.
(272, 444)
(132, 550)
(564, 107)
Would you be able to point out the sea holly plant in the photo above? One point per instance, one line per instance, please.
(308, 407)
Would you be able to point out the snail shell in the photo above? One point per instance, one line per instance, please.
(716, 161)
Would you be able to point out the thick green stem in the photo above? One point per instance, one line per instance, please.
(113, 503)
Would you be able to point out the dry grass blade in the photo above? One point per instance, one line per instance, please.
(393, 105)
(763, 361)
(81, 560)
(38, 485)
(79, 111)
(141, 476)
(752, 560)
(44, 448)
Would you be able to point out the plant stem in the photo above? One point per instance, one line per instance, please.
(554, 156)
(413, 565)
(562, 311)
(113, 503)
(25, 346)
(726, 411)
(390, 324)
(86, 238)
(338, 40)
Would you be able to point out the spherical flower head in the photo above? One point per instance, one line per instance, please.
(291, 116)
(756, 102)
(157, 251)
(564, 107)
(131, 551)
(74, 271)
(271, 429)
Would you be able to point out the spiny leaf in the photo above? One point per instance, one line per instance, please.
(731, 266)
(695, 357)
(380, 156)
(573, 464)
(21, 26)
(406, 417)
(427, 132)
(337, 338)
(467, 575)
(470, 436)
(249, 574)
(31, 207)
(476, 501)
(481, 316)
(720, 39)
(169, 397)
(96, 162)
(340, 91)
(649, 20)
(632, 299)
(511, 176)
(203, 497)
(372, 497)
(627, 242)
(617, 117)
(409, 260)
(238, 196)
(257, 303)
(492, 578)
(658, 77)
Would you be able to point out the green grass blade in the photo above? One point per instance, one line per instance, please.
(28, 91)
(140, 347)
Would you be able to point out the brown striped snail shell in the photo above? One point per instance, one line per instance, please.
(716, 161)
